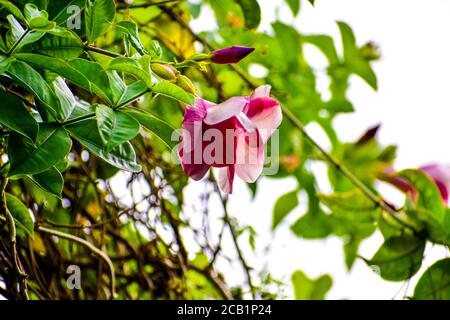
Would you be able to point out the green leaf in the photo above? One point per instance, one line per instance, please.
(312, 226)
(37, 19)
(158, 127)
(51, 146)
(60, 46)
(399, 258)
(352, 205)
(325, 44)
(315, 224)
(133, 92)
(115, 127)
(251, 11)
(16, 117)
(87, 133)
(17, 37)
(289, 44)
(33, 81)
(8, 5)
(353, 59)
(284, 205)
(312, 1)
(5, 63)
(435, 282)
(428, 194)
(66, 98)
(98, 78)
(118, 86)
(173, 91)
(130, 29)
(21, 214)
(128, 65)
(59, 10)
(99, 17)
(434, 229)
(310, 289)
(58, 66)
(16, 31)
(351, 251)
(83, 73)
(50, 181)
(348, 40)
(294, 5)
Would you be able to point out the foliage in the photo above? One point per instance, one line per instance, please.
(86, 107)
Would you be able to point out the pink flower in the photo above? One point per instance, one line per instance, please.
(440, 174)
(229, 136)
(230, 55)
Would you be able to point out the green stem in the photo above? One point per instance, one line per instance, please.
(102, 51)
(78, 119)
(147, 5)
(22, 276)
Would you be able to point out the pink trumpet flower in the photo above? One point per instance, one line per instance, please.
(440, 174)
(229, 136)
(230, 55)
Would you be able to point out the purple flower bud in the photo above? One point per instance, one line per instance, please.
(230, 55)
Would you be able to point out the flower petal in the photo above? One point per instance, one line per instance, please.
(262, 92)
(266, 114)
(226, 178)
(191, 144)
(221, 112)
(249, 156)
(193, 170)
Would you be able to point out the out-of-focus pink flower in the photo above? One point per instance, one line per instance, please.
(440, 174)
(229, 136)
(230, 55)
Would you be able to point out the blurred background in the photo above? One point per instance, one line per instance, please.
(412, 104)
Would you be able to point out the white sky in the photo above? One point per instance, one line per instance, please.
(412, 103)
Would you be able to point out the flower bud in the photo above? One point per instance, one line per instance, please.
(165, 71)
(230, 55)
(186, 84)
(370, 51)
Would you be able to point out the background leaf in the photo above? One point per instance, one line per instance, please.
(51, 146)
(99, 17)
(15, 116)
(21, 215)
(399, 258)
(435, 282)
(310, 289)
(252, 12)
(284, 205)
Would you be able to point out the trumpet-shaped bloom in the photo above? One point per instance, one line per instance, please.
(229, 136)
